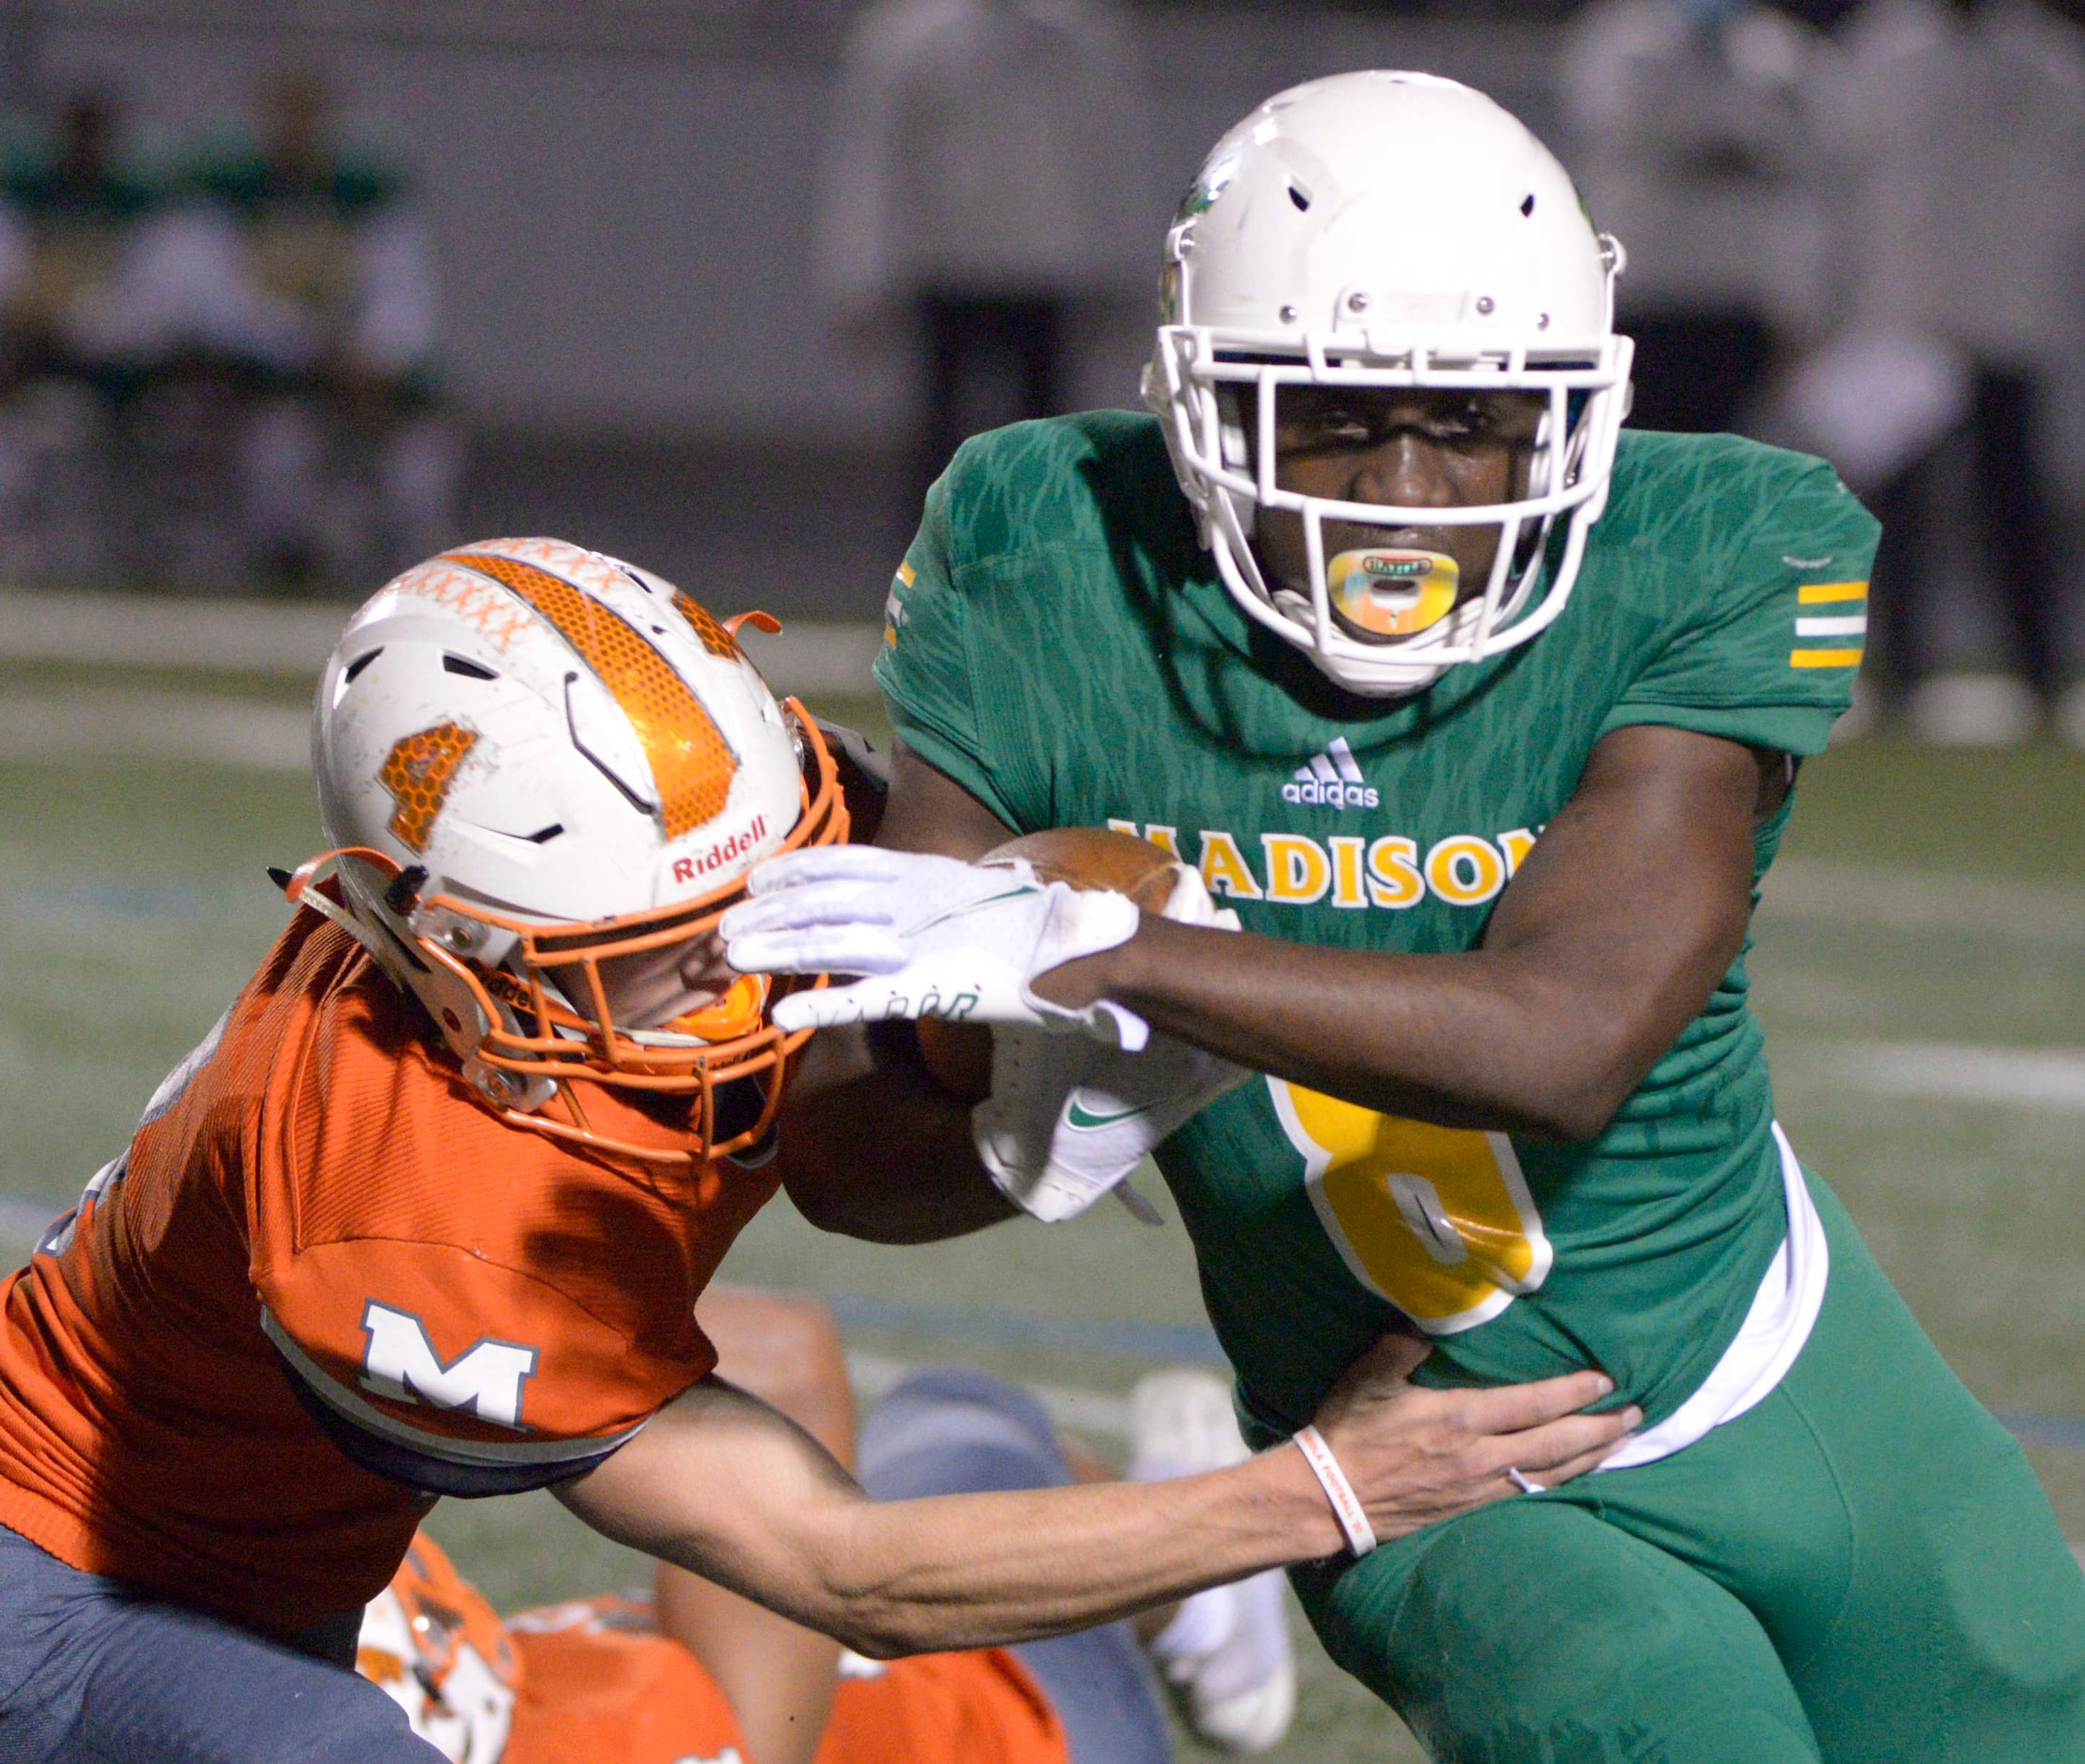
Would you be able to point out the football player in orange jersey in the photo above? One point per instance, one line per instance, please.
(621, 1680)
(427, 1211)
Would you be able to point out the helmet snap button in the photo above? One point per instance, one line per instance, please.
(1287, 314)
(1486, 305)
(1357, 302)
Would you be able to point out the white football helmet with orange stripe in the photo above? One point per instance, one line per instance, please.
(534, 759)
(431, 1642)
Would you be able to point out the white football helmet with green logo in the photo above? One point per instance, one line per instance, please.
(1395, 230)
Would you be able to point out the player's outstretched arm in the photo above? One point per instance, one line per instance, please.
(1616, 929)
(723, 1485)
(1610, 939)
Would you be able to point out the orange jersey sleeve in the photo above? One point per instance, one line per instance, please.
(323, 1282)
(600, 1686)
(980, 1707)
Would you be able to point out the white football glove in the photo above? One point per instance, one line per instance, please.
(1068, 1119)
(935, 937)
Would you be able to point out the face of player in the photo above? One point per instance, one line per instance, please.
(655, 987)
(1401, 448)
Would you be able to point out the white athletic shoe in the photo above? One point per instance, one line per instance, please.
(1860, 718)
(2070, 715)
(1225, 1656)
(1972, 710)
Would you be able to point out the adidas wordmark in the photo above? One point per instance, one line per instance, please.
(1332, 780)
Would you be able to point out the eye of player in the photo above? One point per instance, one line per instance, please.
(1340, 419)
(652, 989)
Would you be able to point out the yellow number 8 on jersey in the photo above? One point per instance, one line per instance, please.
(1438, 1220)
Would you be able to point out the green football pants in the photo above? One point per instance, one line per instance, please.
(1860, 1569)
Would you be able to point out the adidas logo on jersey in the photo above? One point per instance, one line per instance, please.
(1333, 781)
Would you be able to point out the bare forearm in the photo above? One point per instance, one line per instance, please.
(1465, 1041)
(1623, 918)
(871, 1147)
(977, 1571)
(724, 1486)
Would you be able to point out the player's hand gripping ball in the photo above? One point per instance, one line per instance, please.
(1059, 1118)
(930, 936)
(1059, 1121)
(958, 1056)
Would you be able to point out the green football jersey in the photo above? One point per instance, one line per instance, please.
(1059, 644)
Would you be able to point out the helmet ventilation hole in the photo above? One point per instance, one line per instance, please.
(1527, 206)
(355, 667)
(543, 835)
(453, 663)
(1300, 196)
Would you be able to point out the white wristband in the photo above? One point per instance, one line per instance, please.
(1346, 1504)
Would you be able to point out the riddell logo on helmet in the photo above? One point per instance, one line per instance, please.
(693, 869)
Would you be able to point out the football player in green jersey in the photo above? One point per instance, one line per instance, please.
(1480, 717)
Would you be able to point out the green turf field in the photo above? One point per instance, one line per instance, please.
(1930, 899)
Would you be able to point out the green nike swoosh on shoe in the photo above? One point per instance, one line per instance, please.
(1083, 1120)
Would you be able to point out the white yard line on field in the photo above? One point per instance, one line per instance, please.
(100, 724)
(151, 631)
(2043, 1078)
(808, 657)
(1867, 897)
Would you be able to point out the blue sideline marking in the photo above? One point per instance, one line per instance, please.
(1021, 1329)
(24, 1221)
(2045, 1430)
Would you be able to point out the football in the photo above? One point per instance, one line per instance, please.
(958, 1056)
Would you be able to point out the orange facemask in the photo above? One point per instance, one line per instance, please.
(532, 1038)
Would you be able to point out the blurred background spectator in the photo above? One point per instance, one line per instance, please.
(219, 367)
(722, 284)
(1691, 133)
(74, 200)
(982, 186)
(1945, 395)
(346, 468)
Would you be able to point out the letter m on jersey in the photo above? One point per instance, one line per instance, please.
(400, 1362)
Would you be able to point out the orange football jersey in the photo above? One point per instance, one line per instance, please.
(592, 1681)
(323, 1285)
(598, 1686)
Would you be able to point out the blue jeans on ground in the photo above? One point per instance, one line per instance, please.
(94, 1672)
(951, 1431)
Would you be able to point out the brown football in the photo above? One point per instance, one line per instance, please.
(958, 1056)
